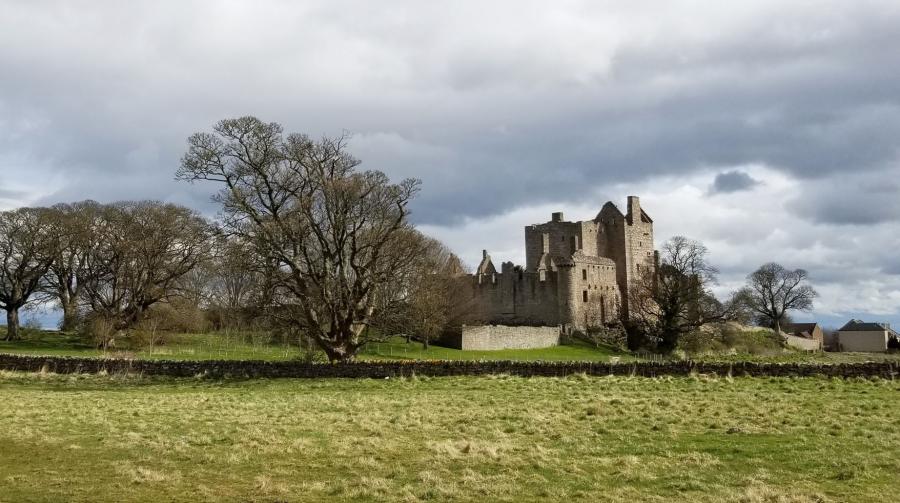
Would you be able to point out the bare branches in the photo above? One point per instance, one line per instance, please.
(675, 299)
(140, 253)
(327, 227)
(28, 247)
(772, 291)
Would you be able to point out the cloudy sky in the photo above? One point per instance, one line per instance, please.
(770, 130)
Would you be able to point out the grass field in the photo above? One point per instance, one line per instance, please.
(244, 347)
(112, 438)
(248, 346)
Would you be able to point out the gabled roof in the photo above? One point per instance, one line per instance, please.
(865, 326)
(800, 328)
(486, 266)
(609, 210)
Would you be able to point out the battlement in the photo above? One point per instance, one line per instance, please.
(572, 269)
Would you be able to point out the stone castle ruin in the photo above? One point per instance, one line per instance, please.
(576, 274)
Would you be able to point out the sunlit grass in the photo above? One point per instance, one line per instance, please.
(256, 346)
(119, 438)
(249, 346)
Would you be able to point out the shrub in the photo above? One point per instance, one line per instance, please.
(101, 331)
(732, 338)
(148, 334)
(179, 316)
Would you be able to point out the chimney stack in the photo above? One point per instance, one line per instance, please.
(557, 217)
(634, 209)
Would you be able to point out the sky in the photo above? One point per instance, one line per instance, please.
(768, 130)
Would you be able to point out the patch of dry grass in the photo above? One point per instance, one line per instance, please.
(119, 438)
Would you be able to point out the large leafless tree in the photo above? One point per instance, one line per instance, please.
(676, 298)
(773, 290)
(330, 228)
(73, 223)
(28, 246)
(142, 252)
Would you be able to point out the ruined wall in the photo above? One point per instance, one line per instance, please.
(515, 297)
(493, 337)
(802, 343)
(556, 237)
(594, 292)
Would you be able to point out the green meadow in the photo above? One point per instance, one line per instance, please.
(123, 438)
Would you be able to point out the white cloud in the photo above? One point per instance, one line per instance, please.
(507, 110)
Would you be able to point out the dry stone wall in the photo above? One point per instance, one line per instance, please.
(389, 369)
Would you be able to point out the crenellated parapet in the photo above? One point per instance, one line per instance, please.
(576, 274)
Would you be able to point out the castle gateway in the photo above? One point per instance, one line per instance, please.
(576, 274)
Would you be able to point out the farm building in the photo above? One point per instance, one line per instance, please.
(811, 334)
(861, 336)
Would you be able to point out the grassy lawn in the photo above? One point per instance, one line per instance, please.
(243, 347)
(792, 356)
(398, 349)
(114, 438)
(246, 346)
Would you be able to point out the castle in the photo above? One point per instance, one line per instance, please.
(576, 274)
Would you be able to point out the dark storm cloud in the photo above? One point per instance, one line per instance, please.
(732, 181)
(497, 106)
(852, 199)
(515, 121)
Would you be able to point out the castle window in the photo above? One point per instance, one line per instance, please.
(584, 295)
(584, 274)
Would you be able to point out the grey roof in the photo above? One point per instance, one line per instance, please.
(799, 328)
(865, 326)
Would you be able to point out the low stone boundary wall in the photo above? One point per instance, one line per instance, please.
(381, 370)
(802, 343)
(493, 337)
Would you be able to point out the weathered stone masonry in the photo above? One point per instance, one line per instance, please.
(576, 274)
(380, 370)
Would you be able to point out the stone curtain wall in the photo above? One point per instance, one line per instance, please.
(490, 337)
(515, 298)
(382, 370)
(804, 344)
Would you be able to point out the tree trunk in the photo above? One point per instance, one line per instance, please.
(70, 317)
(12, 324)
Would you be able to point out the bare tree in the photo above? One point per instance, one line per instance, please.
(434, 297)
(772, 291)
(235, 282)
(27, 248)
(144, 249)
(676, 299)
(73, 225)
(328, 227)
